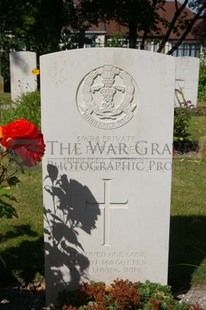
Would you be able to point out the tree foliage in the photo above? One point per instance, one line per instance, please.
(145, 17)
(200, 30)
(39, 24)
(182, 22)
(136, 15)
(17, 18)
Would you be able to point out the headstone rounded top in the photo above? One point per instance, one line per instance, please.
(106, 97)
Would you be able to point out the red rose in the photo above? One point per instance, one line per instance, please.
(25, 139)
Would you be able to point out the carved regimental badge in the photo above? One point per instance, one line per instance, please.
(105, 97)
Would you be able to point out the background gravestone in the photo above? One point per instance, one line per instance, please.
(107, 118)
(187, 77)
(22, 80)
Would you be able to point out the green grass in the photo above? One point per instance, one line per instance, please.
(197, 127)
(189, 180)
(5, 98)
(201, 103)
(187, 265)
(21, 238)
(27, 106)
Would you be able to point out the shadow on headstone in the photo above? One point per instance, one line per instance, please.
(63, 221)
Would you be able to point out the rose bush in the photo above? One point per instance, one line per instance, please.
(21, 145)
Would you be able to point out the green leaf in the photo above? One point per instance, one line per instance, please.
(3, 262)
(4, 191)
(12, 181)
(7, 210)
(10, 197)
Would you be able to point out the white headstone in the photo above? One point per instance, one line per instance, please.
(187, 77)
(107, 118)
(22, 79)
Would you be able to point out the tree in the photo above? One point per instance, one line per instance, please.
(181, 23)
(136, 15)
(33, 25)
(50, 17)
(145, 17)
(199, 31)
(16, 19)
(39, 24)
(77, 22)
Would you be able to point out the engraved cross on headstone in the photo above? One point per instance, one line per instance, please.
(106, 205)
